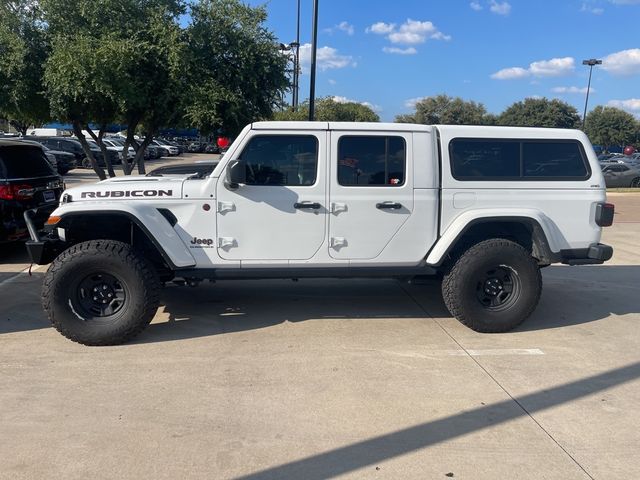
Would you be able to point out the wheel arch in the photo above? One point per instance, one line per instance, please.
(527, 230)
(154, 227)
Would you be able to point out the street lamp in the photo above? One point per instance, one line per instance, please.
(591, 62)
(296, 63)
(314, 44)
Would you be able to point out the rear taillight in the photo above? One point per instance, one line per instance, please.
(604, 214)
(17, 192)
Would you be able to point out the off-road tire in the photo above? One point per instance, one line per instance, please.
(62, 292)
(465, 286)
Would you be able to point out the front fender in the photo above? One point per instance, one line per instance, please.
(555, 239)
(146, 217)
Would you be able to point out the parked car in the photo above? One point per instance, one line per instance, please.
(27, 181)
(154, 152)
(73, 146)
(212, 148)
(118, 145)
(172, 149)
(195, 147)
(115, 153)
(621, 175)
(62, 161)
(165, 150)
(200, 169)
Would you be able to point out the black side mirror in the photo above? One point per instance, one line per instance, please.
(236, 174)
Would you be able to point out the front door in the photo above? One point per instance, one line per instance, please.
(279, 214)
(370, 192)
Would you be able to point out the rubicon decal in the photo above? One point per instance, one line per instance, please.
(128, 193)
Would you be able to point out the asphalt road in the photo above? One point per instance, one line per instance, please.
(333, 378)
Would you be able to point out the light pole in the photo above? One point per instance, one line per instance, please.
(591, 62)
(296, 63)
(314, 44)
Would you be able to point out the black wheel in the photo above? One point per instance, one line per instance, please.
(100, 292)
(86, 163)
(635, 183)
(493, 286)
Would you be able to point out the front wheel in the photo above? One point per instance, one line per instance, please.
(100, 292)
(493, 286)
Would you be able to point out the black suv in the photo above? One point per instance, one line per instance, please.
(73, 146)
(27, 181)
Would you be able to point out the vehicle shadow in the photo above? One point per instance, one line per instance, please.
(14, 253)
(571, 296)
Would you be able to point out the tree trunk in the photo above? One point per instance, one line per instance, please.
(130, 140)
(20, 127)
(77, 130)
(139, 159)
(103, 148)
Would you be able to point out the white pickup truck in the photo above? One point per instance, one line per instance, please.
(483, 208)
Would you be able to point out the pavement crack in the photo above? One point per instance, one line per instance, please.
(497, 382)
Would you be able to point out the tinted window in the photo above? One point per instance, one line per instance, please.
(290, 160)
(553, 159)
(371, 160)
(479, 159)
(23, 162)
(471, 159)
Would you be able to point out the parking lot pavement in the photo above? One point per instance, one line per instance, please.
(332, 378)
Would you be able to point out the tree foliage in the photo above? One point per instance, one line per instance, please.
(540, 112)
(329, 110)
(23, 51)
(238, 74)
(445, 110)
(609, 126)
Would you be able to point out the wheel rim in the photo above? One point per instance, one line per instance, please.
(498, 288)
(100, 296)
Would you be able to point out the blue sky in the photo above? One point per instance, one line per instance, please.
(388, 53)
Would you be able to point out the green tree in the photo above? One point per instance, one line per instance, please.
(445, 110)
(329, 110)
(609, 126)
(238, 74)
(116, 60)
(24, 49)
(540, 112)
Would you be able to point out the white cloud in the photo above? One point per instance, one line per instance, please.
(413, 32)
(332, 81)
(563, 90)
(591, 9)
(400, 51)
(625, 2)
(626, 62)
(345, 27)
(381, 28)
(512, 73)
(341, 99)
(632, 105)
(556, 67)
(411, 102)
(327, 58)
(500, 8)
(475, 6)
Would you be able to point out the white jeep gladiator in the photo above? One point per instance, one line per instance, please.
(483, 208)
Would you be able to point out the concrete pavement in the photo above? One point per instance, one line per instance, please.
(332, 378)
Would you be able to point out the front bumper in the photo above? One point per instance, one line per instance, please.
(42, 248)
(595, 254)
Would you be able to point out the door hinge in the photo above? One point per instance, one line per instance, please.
(338, 207)
(227, 242)
(338, 242)
(226, 207)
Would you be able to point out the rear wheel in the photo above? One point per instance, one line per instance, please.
(86, 163)
(100, 292)
(635, 183)
(493, 286)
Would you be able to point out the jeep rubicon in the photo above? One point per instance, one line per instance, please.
(484, 208)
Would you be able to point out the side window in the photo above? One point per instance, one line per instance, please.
(553, 159)
(492, 159)
(371, 161)
(484, 159)
(287, 160)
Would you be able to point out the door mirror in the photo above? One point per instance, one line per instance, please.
(236, 174)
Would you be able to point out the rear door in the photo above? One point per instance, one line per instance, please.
(370, 191)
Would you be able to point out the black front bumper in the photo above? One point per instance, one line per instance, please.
(596, 254)
(44, 246)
